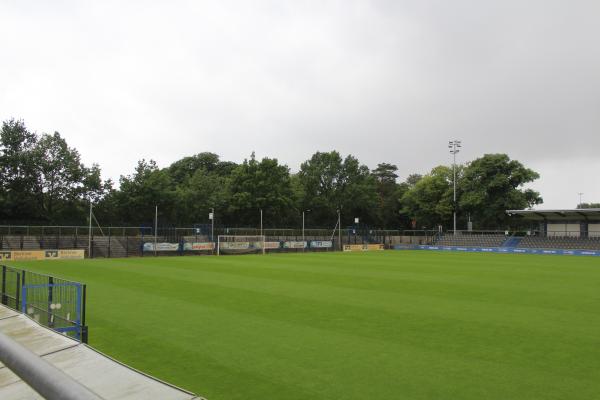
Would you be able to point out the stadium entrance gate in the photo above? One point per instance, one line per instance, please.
(53, 302)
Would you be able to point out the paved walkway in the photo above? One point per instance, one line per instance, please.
(106, 377)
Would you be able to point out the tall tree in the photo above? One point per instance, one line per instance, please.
(185, 168)
(429, 201)
(199, 194)
(60, 175)
(331, 183)
(260, 185)
(140, 192)
(18, 173)
(493, 184)
(389, 193)
(412, 179)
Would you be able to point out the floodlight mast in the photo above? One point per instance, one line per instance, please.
(212, 227)
(454, 146)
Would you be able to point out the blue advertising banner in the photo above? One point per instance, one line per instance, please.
(510, 250)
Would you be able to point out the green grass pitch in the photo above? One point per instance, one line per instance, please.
(382, 325)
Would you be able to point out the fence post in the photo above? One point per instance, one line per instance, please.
(4, 298)
(50, 288)
(18, 292)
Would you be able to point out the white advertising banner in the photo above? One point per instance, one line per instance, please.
(294, 245)
(234, 245)
(203, 246)
(321, 244)
(149, 246)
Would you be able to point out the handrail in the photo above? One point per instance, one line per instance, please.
(50, 382)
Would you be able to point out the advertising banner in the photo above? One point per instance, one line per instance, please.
(29, 255)
(149, 246)
(294, 245)
(23, 255)
(353, 247)
(272, 245)
(363, 247)
(78, 254)
(321, 244)
(234, 245)
(204, 246)
(51, 254)
(505, 250)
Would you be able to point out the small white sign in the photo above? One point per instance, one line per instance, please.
(210, 216)
(356, 220)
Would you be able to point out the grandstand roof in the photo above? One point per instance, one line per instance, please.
(584, 214)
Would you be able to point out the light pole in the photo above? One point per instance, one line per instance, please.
(155, 230)
(211, 216)
(303, 239)
(90, 232)
(580, 199)
(261, 226)
(454, 146)
(339, 212)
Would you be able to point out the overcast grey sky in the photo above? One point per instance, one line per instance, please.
(387, 81)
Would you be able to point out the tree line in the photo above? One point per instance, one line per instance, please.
(44, 181)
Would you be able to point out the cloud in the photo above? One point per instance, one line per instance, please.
(387, 81)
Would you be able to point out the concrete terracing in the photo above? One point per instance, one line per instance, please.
(104, 376)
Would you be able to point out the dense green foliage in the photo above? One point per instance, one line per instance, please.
(386, 325)
(588, 205)
(43, 181)
(491, 184)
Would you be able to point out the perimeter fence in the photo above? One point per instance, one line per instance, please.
(53, 302)
(140, 241)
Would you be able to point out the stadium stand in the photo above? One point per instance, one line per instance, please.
(537, 242)
(577, 229)
(470, 240)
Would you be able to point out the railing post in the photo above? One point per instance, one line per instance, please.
(4, 298)
(50, 289)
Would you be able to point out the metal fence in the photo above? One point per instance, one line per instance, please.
(101, 242)
(53, 302)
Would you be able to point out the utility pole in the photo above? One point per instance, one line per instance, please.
(454, 146)
(303, 236)
(211, 216)
(580, 199)
(340, 228)
(155, 229)
(90, 232)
